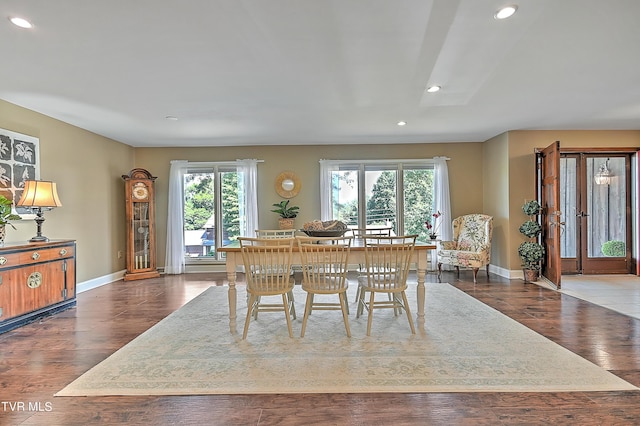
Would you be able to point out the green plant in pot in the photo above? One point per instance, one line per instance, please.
(287, 214)
(6, 215)
(531, 252)
(614, 248)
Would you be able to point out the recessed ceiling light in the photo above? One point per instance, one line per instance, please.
(433, 89)
(402, 123)
(21, 22)
(171, 117)
(505, 12)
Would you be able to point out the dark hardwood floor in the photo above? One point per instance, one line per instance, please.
(41, 358)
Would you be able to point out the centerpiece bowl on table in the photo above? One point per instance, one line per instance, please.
(327, 228)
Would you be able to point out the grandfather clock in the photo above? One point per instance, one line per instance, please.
(141, 226)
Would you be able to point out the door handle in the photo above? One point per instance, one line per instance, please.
(558, 221)
(582, 214)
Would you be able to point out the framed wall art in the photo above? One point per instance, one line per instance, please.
(19, 162)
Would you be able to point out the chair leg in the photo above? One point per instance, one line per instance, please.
(458, 271)
(360, 307)
(347, 301)
(475, 275)
(373, 293)
(307, 311)
(255, 313)
(397, 310)
(286, 314)
(250, 307)
(345, 314)
(291, 304)
(439, 272)
(406, 308)
(487, 272)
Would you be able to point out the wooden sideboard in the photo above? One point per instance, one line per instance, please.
(36, 279)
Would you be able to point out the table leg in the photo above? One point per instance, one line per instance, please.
(422, 271)
(231, 276)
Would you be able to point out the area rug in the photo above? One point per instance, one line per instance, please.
(464, 346)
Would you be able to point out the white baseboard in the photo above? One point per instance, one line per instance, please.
(194, 269)
(518, 274)
(100, 281)
(505, 273)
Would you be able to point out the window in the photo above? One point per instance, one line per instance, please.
(211, 209)
(369, 194)
(209, 204)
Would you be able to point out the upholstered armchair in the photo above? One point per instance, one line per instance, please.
(471, 245)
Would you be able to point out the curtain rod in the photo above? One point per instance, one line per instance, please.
(406, 160)
(208, 163)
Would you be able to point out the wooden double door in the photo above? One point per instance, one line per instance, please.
(596, 198)
(587, 216)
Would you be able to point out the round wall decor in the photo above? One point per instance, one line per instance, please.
(288, 184)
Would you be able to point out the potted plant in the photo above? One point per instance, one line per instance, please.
(432, 229)
(614, 248)
(6, 215)
(287, 214)
(531, 251)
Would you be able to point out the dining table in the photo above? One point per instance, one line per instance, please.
(420, 259)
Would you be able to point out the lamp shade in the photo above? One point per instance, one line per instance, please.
(39, 193)
(603, 177)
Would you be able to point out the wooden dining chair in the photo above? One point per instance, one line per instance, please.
(382, 231)
(275, 233)
(324, 271)
(387, 261)
(267, 264)
(374, 230)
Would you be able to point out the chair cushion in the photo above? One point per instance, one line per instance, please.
(467, 259)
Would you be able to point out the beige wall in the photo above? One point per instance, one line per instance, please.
(465, 173)
(87, 170)
(495, 188)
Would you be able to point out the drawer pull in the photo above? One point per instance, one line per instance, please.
(34, 280)
(35, 255)
(3, 260)
(63, 252)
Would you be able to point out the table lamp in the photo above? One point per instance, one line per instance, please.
(38, 196)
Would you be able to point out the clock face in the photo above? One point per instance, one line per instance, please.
(140, 191)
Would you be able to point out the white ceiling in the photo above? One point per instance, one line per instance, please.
(273, 72)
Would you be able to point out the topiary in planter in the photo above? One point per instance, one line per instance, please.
(614, 248)
(531, 254)
(531, 208)
(530, 229)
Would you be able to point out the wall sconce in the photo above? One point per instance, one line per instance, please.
(603, 177)
(39, 195)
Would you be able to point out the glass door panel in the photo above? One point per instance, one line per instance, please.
(418, 201)
(569, 206)
(380, 196)
(606, 207)
(344, 194)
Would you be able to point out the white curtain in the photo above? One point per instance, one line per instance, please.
(174, 260)
(248, 196)
(326, 194)
(442, 198)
